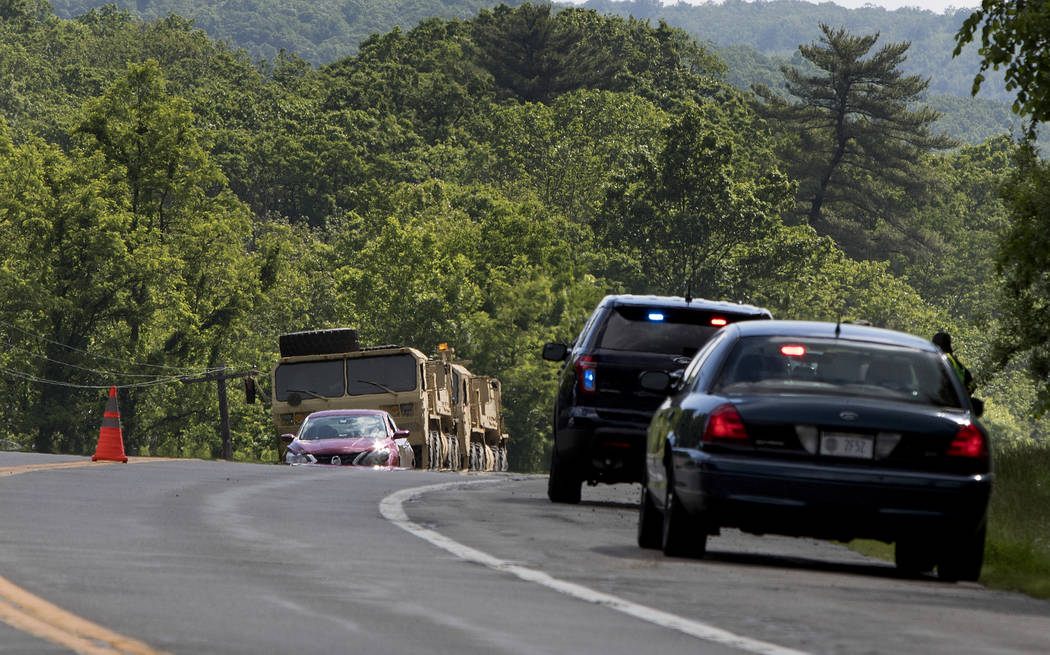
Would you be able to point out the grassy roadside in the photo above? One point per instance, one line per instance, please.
(1017, 553)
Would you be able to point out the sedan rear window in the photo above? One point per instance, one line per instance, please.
(821, 366)
(672, 331)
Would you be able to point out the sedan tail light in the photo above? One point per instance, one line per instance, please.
(968, 442)
(586, 373)
(724, 424)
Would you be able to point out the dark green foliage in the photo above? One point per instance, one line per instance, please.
(1013, 37)
(852, 141)
(320, 31)
(1023, 260)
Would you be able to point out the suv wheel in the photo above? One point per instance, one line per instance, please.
(683, 535)
(650, 525)
(562, 485)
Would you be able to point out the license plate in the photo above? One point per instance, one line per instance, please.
(842, 444)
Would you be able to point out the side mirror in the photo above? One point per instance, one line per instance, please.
(401, 434)
(656, 381)
(287, 438)
(978, 406)
(555, 352)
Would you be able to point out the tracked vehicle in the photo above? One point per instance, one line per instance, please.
(454, 417)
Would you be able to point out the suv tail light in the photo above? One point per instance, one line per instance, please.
(586, 373)
(968, 442)
(724, 424)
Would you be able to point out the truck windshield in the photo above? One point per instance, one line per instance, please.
(323, 379)
(383, 374)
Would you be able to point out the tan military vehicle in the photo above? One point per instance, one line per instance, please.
(453, 417)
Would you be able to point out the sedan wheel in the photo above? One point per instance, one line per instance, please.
(650, 523)
(914, 555)
(683, 535)
(962, 556)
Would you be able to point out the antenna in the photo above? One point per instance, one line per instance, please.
(689, 281)
(838, 327)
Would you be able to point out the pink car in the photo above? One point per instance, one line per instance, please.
(349, 437)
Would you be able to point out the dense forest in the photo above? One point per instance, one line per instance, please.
(754, 38)
(169, 205)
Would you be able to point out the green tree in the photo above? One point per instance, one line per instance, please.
(851, 140)
(680, 214)
(1023, 260)
(534, 57)
(1013, 38)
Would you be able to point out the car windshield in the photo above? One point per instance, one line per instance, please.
(671, 330)
(836, 366)
(365, 426)
(385, 374)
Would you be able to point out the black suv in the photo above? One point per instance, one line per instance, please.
(601, 414)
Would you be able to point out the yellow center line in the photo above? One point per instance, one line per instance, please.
(32, 614)
(28, 468)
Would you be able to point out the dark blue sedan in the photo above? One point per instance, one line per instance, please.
(833, 431)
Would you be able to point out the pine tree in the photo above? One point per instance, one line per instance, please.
(852, 142)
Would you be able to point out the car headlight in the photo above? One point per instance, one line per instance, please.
(299, 458)
(372, 458)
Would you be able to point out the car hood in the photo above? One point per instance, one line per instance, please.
(339, 446)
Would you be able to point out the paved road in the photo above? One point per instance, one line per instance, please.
(214, 557)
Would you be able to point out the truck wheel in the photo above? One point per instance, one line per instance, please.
(683, 535)
(318, 342)
(650, 523)
(962, 556)
(454, 459)
(439, 450)
(562, 485)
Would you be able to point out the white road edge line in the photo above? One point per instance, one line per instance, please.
(392, 509)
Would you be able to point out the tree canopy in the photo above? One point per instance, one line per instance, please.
(168, 207)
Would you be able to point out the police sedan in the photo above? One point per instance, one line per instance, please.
(825, 430)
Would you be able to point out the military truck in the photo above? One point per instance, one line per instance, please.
(454, 417)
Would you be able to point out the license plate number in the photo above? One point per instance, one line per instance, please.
(839, 444)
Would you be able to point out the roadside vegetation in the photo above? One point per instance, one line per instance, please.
(169, 206)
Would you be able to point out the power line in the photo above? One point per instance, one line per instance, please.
(186, 377)
(100, 373)
(89, 354)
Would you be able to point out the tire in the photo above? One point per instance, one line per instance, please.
(650, 522)
(683, 535)
(962, 556)
(914, 556)
(562, 485)
(318, 342)
(454, 460)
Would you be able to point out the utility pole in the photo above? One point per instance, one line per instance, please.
(220, 378)
(224, 418)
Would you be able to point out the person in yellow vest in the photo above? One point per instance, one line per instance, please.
(943, 340)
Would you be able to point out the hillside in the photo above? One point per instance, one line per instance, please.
(755, 38)
(318, 31)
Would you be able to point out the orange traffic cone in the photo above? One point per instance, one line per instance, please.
(110, 439)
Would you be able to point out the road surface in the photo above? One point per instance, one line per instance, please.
(194, 557)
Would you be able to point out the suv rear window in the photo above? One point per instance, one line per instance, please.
(672, 331)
